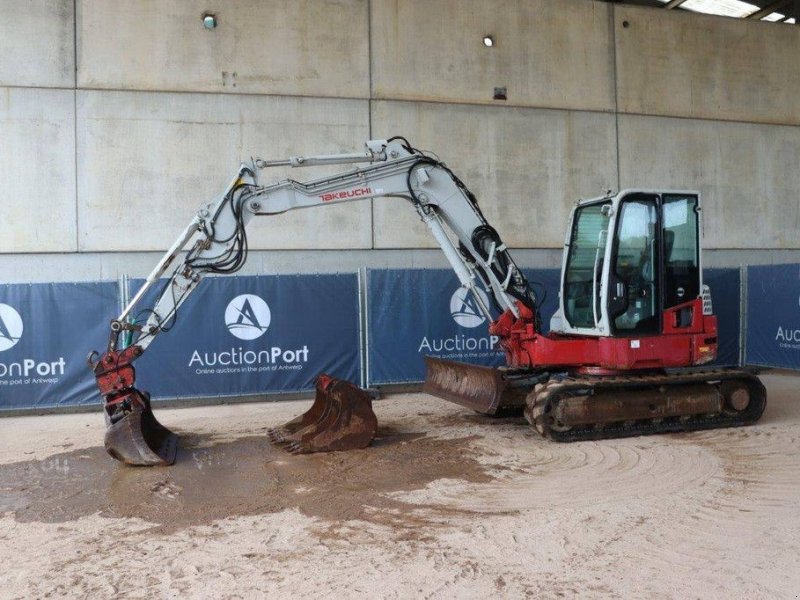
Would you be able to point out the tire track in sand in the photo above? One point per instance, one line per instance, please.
(542, 474)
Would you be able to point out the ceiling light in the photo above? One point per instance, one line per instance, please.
(725, 8)
(209, 21)
(488, 41)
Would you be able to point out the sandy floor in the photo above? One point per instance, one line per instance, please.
(445, 504)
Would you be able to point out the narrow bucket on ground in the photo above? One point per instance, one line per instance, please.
(139, 439)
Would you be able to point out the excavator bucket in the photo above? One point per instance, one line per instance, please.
(137, 438)
(483, 389)
(341, 418)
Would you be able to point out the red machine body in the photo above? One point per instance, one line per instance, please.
(676, 346)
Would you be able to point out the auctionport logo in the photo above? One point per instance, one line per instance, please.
(788, 336)
(10, 327)
(462, 346)
(247, 317)
(465, 310)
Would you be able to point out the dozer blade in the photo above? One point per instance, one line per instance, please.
(341, 418)
(473, 386)
(139, 439)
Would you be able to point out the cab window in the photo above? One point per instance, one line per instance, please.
(585, 265)
(681, 250)
(635, 267)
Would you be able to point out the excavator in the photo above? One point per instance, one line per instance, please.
(620, 358)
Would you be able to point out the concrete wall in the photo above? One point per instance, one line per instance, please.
(699, 66)
(555, 53)
(303, 48)
(37, 43)
(118, 119)
(747, 174)
(513, 159)
(37, 170)
(151, 159)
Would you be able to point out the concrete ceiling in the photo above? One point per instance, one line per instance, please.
(788, 8)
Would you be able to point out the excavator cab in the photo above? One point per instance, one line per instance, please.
(629, 259)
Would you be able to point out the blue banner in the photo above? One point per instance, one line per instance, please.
(725, 287)
(773, 316)
(46, 333)
(414, 313)
(251, 335)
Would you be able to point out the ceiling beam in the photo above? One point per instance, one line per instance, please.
(768, 9)
(652, 3)
(673, 4)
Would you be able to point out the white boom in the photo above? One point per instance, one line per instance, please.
(473, 248)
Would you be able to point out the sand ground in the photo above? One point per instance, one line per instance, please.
(444, 504)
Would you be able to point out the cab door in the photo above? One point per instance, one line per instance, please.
(681, 244)
(581, 296)
(634, 280)
(655, 264)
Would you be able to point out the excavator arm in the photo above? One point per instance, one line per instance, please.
(217, 244)
(218, 231)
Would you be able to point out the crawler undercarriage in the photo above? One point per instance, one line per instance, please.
(571, 407)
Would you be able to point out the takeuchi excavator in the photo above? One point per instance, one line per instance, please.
(633, 324)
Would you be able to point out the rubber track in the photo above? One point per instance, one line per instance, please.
(538, 401)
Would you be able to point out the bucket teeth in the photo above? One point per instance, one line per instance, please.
(282, 434)
(341, 418)
(137, 438)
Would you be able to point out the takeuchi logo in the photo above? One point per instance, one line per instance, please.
(10, 327)
(247, 317)
(465, 310)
